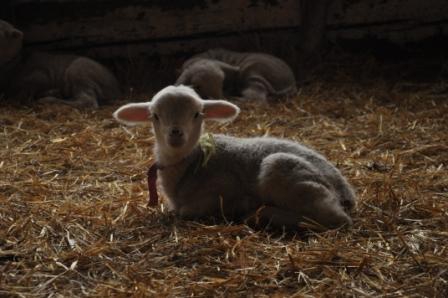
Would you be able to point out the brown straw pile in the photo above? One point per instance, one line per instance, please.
(74, 222)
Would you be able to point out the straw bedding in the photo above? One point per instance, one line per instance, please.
(74, 222)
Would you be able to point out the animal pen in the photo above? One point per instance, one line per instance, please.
(372, 97)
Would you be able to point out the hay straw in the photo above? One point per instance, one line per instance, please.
(73, 220)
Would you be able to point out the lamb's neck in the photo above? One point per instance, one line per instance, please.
(172, 171)
(166, 160)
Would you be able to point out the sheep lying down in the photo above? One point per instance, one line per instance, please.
(67, 79)
(220, 73)
(276, 181)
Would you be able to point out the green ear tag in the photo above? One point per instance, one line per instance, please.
(208, 147)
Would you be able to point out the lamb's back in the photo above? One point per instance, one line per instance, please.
(253, 64)
(245, 155)
(223, 55)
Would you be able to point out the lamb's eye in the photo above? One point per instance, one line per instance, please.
(196, 115)
(156, 117)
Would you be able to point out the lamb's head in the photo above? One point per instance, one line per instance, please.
(177, 114)
(207, 77)
(10, 42)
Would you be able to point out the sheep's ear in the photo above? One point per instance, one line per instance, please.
(220, 110)
(133, 113)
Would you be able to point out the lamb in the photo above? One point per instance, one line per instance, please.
(68, 79)
(250, 76)
(280, 181)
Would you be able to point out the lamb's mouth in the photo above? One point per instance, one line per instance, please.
(176, 142)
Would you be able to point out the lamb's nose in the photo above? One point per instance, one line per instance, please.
(176, 132)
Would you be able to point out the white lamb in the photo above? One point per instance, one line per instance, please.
(277, 181)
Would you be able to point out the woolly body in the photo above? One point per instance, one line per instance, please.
(219, 72)
(282, 181)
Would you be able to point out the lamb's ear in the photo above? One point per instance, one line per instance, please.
(133, 113)
(220, 110)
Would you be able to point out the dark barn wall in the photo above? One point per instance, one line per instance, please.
(165, 27)
(158, 29)
(153, 27)
(398, 21)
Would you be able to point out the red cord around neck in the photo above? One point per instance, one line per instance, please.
(152, 185)
(152, 181)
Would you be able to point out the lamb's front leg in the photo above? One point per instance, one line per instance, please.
(218, 206)
(222, 198)
(201, 208)
(273, 216)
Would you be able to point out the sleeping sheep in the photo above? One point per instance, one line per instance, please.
(69, 79)
(249, 76)
(282, 182)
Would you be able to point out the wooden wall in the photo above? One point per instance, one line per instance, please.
(398, 21)
(110, 28)
(132, 27)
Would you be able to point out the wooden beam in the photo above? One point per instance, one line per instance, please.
(70, 24)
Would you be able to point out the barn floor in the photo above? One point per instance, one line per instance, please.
(74, 222)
